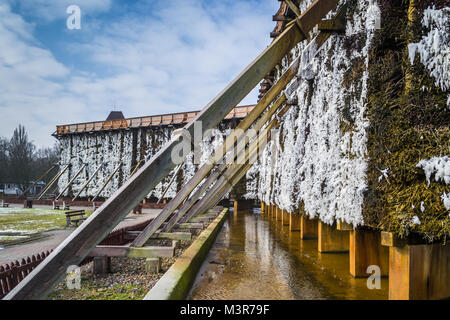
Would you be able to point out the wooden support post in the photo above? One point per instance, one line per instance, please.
(285, 217)
(279, 216)
(308, 228)
(294, 222)
(417, 271)
(366, 250)
(153, 265)
(102, 265)
(263, 208)
(332, 240)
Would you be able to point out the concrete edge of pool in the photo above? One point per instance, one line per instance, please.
(177, 281)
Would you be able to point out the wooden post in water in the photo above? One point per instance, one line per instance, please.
(308, 228)
(285, 218)
(366, 250)
(331, 240)
(279, 215)
(417, 271)
(294, 222)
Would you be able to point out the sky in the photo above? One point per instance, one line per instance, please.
(141, 57)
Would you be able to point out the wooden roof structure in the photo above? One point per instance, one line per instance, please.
(181, 118)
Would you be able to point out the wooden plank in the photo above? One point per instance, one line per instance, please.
(80, 242)
(131, 235)
(188, 225)
(131, 252)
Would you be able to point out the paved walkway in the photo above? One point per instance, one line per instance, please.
(51, 239)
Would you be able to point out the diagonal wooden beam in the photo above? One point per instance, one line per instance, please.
(216, 174)
(39, 179)
(235, 169)
(82, 240)
(87, 182)
(50, 184)
(71, 181)
(170, 182)
(107, 181)
(220, 152)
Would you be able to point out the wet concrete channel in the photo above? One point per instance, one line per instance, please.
(257, 258)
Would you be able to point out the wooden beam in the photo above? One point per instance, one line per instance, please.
(219, 153)
(294, 222)
(131, 235)
(107, 181)
(87, 182)
(131, 252)
(71, 181)
(293, 7)
(234, 171)
(39, 179)
(55, 178)
(80, 242)
(170, 182)
(214, 176)
(188, 225)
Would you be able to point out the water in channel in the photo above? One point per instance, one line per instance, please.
(256, 258)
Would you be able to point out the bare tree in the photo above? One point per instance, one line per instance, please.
(20, 157)
(4, 160)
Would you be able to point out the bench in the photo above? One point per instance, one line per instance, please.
(4, 204)
(57, 205)
(71, 217)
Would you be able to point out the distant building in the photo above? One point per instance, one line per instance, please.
(14, 189)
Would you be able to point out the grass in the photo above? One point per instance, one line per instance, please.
(90, 291)
(17, 224)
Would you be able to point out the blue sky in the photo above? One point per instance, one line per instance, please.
(142, 57)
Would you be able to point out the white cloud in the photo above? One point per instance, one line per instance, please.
(49, 10)
(176, 58)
